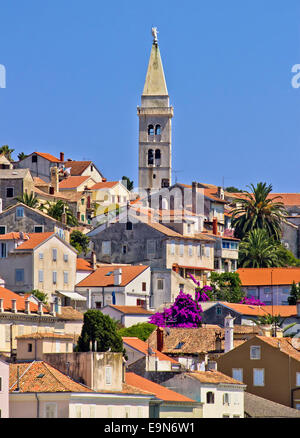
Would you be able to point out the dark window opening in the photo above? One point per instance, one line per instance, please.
(150, 156)
(124, 249)
(165, 182)
(157, 130)
(29, 348)
(150, 130)
(210, 397)
(144, 286)
(98, 304)
(128, 225)
(157, 157)
(34, 159)
(9, 192)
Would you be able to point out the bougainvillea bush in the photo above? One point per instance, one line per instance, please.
(185, 312)
(252, 301)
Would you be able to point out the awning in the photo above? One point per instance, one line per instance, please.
(72, 295)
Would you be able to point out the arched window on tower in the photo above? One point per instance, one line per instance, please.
(157, 130)
(150, 156)
(157, 157)
(150, 130)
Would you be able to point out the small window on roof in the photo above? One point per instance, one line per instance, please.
(34, 159)
(179, 345)
(109, 273)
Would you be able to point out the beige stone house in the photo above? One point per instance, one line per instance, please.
(40, 261)
(108, 196)
(14, 182)
(39, 164)
(34, 345)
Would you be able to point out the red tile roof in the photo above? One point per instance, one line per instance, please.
(83, 265)
(268, 276)
(40, 182)
(46, 335)
(142, 346)
(213, 376)
(48, 157)
(246, 309)
(100, 277)
(72, 182)
(34, 240)
(7, 296)
(132, 310)
(13, 236)
(104, 185)
(39, 376)
(160, 391)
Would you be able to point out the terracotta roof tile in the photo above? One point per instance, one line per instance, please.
(48, 157)
(34, 240)
(129, 310)
(104, 185)
(247, 309)
(213, 376)
(46, 335)
(289, 346)
(83, 265)
(262, 276)
(77, 167)
(142, 346)
(100, 277)
(160, 391)
(72, 182)
(7, 296)
(39, 182)
(13, 236)
(39, 376)
(69, 313)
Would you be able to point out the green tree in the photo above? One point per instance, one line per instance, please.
(127, 183)
(80, 241)
(57, 209)
(141, 330)
(22, 156)
(226, 287)
(233, 189)
(286, 257)
(258, 250)
(7, 151)
(294, 294)
(101, 331)
(30, 200)
(40, 295)
(256, 210)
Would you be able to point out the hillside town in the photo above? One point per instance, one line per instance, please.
(151, 300)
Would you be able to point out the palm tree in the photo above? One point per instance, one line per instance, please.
(57, 209)
(258, 250)
(274, 321)
(256, 210)
(5, 149)
(22, 156)
(30, 200)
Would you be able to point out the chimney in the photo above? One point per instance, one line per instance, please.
(64, 218)
(211, 365)
(62, 156)
(14, 305)
(54, 179)
(221, 192)
(159, 339)
(40, 311)
(218, 341)
(1, 305)
(58, 302)
(194, 197)
(27, 306)
(118, 277)
(52, 311)
(215, 226)
(93, 260)
(266, 330)
(175, 268)
(228, 333)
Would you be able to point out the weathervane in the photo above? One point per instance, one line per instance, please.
(154, 34)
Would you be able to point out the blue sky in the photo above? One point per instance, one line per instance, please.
(76, 69)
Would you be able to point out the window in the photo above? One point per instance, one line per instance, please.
(226, 399)
(78, 411)
(297, 379)
(66, 277)
(258, 377)
(172, 247)
(124, 249)
(254, 352)
(144, 286)
(54, 277)
(181, 249)
(151, 247)
(157, 157)
(3, 250)
(29, 348)
(150, 130)
(140, 302)
(92, 412)
(298, 406)
(207, 251)
(160, 283)
(181, 287)
(50, 410)
(82, 201)
(210, 397)
(267, 290)
(34, 159)
(54, 254)
(106, 247)
(19, 275)
(199, 251)
(190, 251)
(2, 229)
(7, 333)
(219, 310)
(237, 374)
(98, 304)
(226, 416)
(108, 375)
(157, 130)
(41, 256)
(10, 192)
(20, 212)
(216, 264)
(66, 257)
(128, 226)
(41, 276)
(39, 228)
(57, 347)
(165, 182)
(233, 265)
(150, 156)
(188, 228)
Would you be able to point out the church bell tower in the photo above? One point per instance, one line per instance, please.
(155, 131)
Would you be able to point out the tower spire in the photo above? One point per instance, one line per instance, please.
(155, 83)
